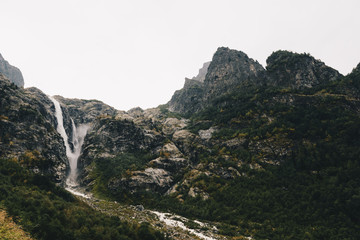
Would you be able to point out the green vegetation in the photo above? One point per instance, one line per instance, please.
(164, 110)
(306, 146)
(118, 167)
(49, 212)
(9, 230)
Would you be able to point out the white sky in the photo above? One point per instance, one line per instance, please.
(130, 53)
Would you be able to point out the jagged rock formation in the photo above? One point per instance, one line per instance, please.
(11, 72)
(135, 132)
(86, 111)
(293, 70)
(202, 72)
(189, 98)
(230, 70)
(240, 132)
(27, 131)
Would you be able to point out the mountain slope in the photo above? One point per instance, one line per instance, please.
(271, 155)
(266, 153)
(27, 130)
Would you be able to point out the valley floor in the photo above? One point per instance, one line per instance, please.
(175, 226)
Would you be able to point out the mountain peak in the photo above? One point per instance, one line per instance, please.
(12, 73)
(294, 70)
(230, 68)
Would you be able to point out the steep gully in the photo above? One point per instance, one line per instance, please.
(72, 184)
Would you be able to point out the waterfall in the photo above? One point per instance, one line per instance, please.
(78, 135)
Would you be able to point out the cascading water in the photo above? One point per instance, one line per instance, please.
(78, 135)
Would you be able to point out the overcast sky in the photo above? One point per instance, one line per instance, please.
(130, 53)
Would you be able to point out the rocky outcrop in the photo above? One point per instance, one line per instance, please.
(231, 70)
(85, 111)
(27, 132)
(202, 72)
(292, 70)
(189, 98)
(114, 136)
(151, 179)
(228, 70)
(111, 136)
(12, 73)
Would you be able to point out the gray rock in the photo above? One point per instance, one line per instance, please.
(151, 179)
(202, 72)
(206, 134)
(27, 131)
(228, 70)
(12, 73)
(292, 70)
(140, 208)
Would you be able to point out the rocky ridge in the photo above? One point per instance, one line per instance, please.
(230, 70)
(11, 72)
(27, 131)
(296, 71)
(229, 127)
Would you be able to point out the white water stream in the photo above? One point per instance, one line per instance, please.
(78, 135)
(172, 220)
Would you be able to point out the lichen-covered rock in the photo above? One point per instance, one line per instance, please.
(27, 131)
(189, 98)
(151, 179)
(85, 111)
(206, 134)
(292, 70)
(170, 125)
(228, 70)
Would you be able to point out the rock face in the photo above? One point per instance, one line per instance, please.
(27, 132)
(189, 98)
(86, 111)
(151, 179)
(27, 125)
(11, 72)
(113, 136)
(202, 72)
(298, 71)
(228, 70)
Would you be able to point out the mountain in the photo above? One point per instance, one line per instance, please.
(293, 70)
(27, 130)
(257, 152)
(34, 166)
(228, 69)
(11, 72)
(231, 69)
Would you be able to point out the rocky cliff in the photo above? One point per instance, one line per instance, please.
(228, 70)
(231, 70)
(11, 72)
(202, 72)
(271, 151)
(85, 111)
(292, 70)
(27, 132)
